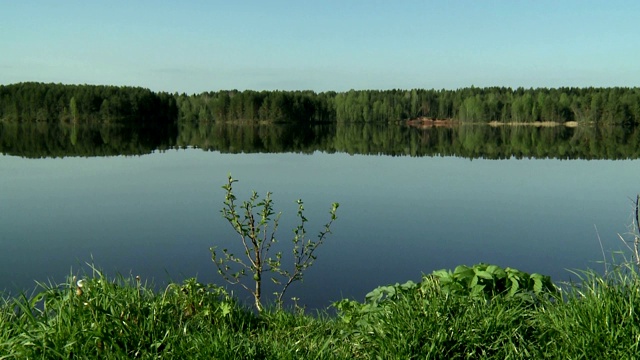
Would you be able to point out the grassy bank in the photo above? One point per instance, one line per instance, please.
(122, 318)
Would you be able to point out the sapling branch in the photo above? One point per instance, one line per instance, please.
(257, 227)
(303, 256)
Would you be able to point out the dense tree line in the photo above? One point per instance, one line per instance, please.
(279, 106)
(38, 102)
(88, 103)
(594, 105)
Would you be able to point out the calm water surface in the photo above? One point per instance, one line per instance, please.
(157, 215)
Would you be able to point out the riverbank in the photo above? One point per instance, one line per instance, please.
(426, 123)
(570, 124)
(94, 317)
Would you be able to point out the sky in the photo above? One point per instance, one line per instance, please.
(195, 46)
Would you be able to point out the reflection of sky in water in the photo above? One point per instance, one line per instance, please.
(157, 215)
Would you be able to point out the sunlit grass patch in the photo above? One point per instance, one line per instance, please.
(595, 317)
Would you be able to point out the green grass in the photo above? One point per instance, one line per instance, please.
(594, 318)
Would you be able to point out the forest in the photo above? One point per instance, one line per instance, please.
(34, 102)
(483, 105)
(55, 120)
(84, 104)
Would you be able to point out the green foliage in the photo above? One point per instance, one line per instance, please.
(479, 282)
(611, 105)
(95, 317)
(421, 321)
(599, 317)
(484, 281)
(47, 102)
(31, 102)
(256, 223)
(595, 318)
(273, 106)
(98, 317)
(126, 319)
(234, 121)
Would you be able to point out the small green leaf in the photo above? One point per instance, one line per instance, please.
(441, 273)
(514, 286)
(225, 308)
(484, 275)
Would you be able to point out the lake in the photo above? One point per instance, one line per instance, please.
(156, 214)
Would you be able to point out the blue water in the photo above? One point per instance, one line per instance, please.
(157, 215)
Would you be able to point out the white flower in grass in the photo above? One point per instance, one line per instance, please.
(81, 283)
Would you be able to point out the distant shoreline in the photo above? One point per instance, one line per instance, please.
(424, 122)
(535, 123)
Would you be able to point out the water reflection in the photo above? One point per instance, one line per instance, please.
(44, 140)
(469, 141)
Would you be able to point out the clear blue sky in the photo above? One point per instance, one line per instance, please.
(195, 46)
